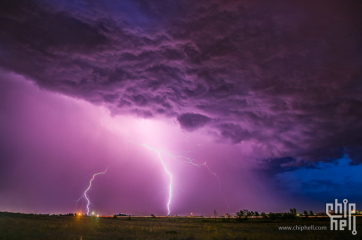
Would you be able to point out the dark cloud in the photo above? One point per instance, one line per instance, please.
(233, 133)
(273, 166)
(191, 121)
(327, 178)
(284, 76)
(354, 153)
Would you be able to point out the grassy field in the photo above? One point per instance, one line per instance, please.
(23, 226)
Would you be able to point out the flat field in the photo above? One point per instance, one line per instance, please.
(24, 226)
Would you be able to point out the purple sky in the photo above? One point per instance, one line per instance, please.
(267, 94)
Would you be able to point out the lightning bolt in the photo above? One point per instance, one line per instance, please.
(220, 189)
(164, 165)
(85, 196)
(188, 160)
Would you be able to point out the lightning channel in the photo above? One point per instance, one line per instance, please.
(166, 170)
(220, 189)
(186, 160)
(85, 196)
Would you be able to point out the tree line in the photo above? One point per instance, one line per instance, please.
(244, 214)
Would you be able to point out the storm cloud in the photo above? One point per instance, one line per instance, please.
(286, 77)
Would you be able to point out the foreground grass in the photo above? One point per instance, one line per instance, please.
(21, 226)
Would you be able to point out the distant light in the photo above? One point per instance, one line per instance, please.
(92, 213)
(79, 214)
(97, 215)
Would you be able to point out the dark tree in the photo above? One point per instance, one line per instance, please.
(246, 213)
(305, 213)
(240, 214)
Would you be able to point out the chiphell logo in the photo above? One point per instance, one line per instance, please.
(343, 215)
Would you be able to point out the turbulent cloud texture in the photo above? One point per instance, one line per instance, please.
(284, 76)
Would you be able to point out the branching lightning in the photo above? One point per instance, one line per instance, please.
(187, 160)
(204, 164)
(164, 165)
(190, 161)
(85, 196)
